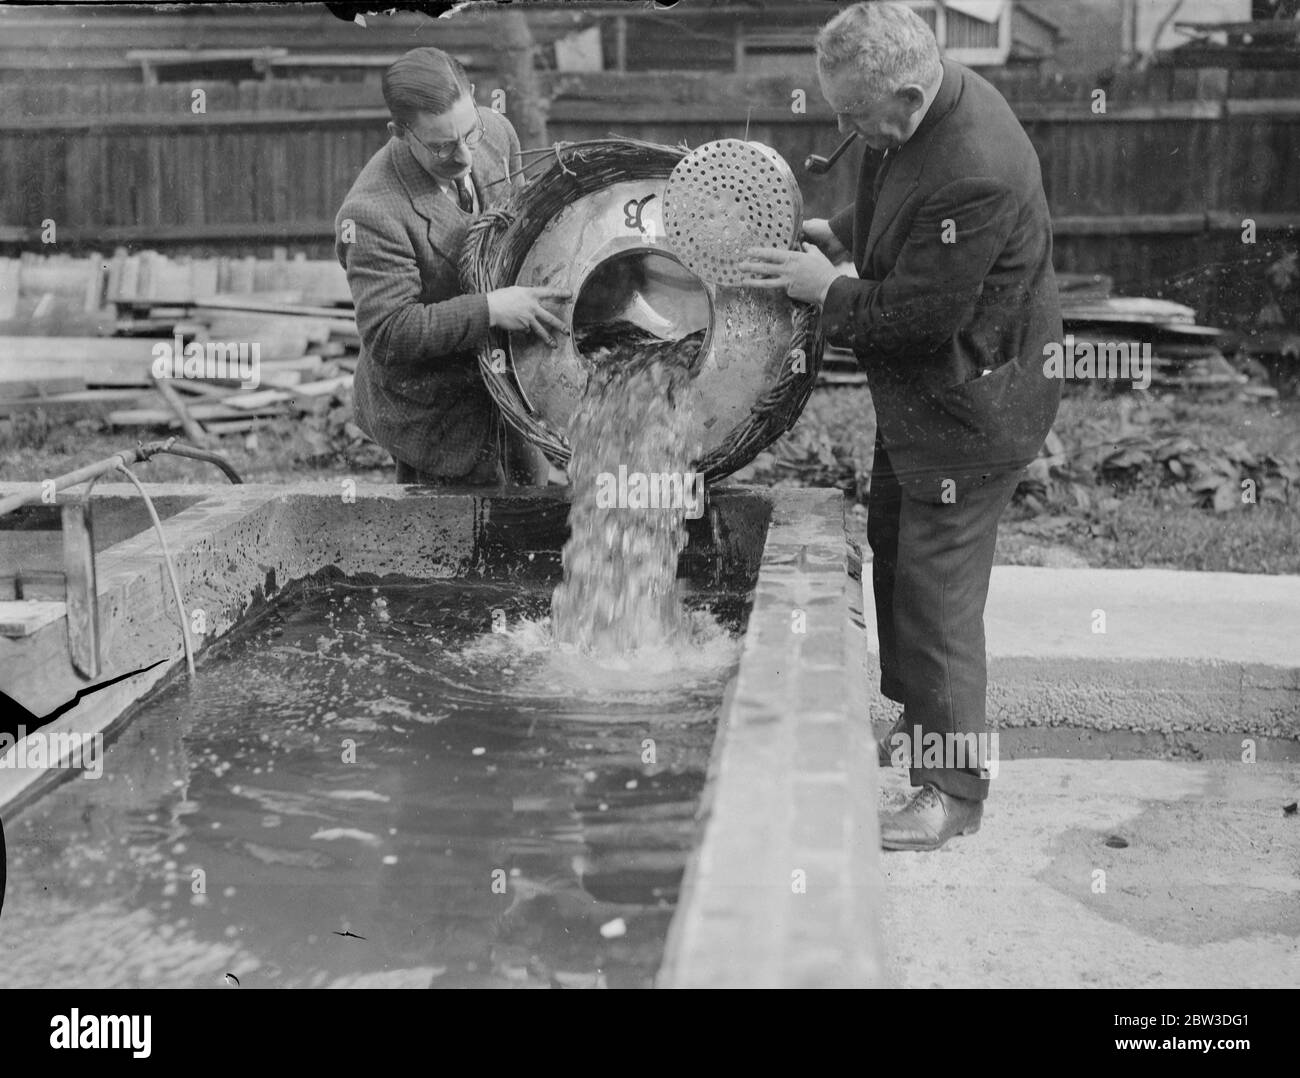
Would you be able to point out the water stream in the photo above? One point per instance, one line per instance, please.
(629, 441)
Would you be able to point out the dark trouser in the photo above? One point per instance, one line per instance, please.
(508, 459)
(485, 473)
(930, 571)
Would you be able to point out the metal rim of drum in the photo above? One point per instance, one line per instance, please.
(499, 240)
(552, 380)
(725, 196)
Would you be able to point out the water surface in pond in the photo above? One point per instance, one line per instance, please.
(371, 786)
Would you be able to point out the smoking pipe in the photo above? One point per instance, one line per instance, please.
(817, 165)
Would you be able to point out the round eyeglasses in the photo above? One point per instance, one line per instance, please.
(444, 151)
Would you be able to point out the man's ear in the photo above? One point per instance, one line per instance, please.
(393, 130)
(912, 96)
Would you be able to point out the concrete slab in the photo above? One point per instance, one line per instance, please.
(1206, 893)
(1145, 650)
(1156, 614)
(784, 889)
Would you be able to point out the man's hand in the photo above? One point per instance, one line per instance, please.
(817, 231)
(520, 308)
(805, 275)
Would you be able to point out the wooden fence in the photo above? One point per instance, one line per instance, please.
(1153, 191)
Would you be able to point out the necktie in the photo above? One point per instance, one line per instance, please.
(464, 194)
(881, 169)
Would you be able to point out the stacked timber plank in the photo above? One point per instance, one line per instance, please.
(284, 359)
(1184, 355)
(153, 278)
(31, 286)
(186, 348)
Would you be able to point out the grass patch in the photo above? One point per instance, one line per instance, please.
(35, 446)
(1086, 513)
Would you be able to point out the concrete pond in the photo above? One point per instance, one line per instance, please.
(781, 881)
(1130, 838)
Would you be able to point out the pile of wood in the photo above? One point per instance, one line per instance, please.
(290, 320)
(45, 295)
(1184, 355)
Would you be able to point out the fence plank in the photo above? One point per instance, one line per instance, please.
(1162, 176)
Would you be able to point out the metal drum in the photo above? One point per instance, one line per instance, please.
(658, 251)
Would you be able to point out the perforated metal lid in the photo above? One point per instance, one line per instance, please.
(726, 196)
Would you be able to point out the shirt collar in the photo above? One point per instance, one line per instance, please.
(944, 100)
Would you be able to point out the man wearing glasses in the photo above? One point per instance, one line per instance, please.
(954, 301)
(418, 391)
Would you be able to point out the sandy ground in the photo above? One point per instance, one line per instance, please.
(1106, 874)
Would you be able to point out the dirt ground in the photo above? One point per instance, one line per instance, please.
(1106, 874)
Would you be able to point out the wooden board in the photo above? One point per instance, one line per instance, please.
(93, 361)
(327, 385)
(1126, 308)
(9, 281)
(249, 402)
(44, 387)
(246, 326)
(162, 417)
(1138, 328)
(260, 399)
(232, 426)
(264, 306)
(306, 364)
(281, 379)
(92, 349)
(86, 402)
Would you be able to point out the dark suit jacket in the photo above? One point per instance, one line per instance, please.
(418, 391)
(927, 316)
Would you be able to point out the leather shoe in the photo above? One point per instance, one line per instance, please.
(929, 820)
(885, 746)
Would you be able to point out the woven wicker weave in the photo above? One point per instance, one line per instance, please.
(500, 239)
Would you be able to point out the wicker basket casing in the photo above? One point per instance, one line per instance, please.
(500, 243)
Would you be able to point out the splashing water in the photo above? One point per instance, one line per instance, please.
(631, 428)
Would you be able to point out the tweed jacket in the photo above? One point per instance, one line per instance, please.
(418, 391)
(952, 241)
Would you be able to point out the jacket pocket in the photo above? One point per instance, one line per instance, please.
(982, 401)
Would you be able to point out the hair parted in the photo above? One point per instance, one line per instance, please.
(423, 80)
(890, 45)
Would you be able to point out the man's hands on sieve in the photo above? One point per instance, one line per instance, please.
(804, 276)
(817, 231)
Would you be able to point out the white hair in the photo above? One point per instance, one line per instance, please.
(889, 45)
